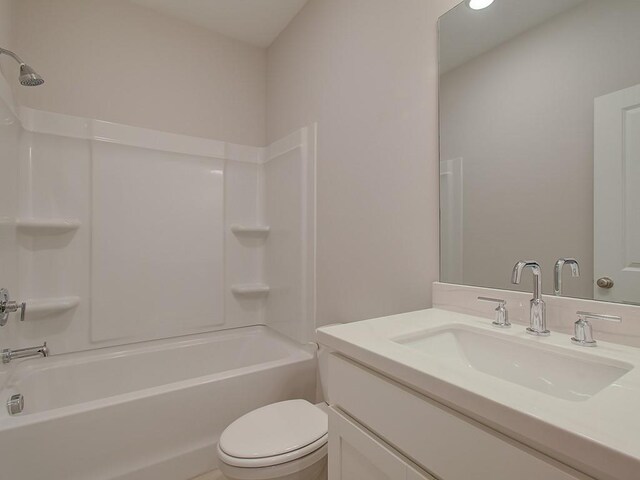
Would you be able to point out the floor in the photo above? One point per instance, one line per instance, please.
(215, 475)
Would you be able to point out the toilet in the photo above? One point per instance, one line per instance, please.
(282, 441)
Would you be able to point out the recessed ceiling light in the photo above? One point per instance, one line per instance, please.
(479, 4)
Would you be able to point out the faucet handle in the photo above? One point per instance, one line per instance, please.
(599, 316)
(502, 314)
(583, 332)
(8, 306)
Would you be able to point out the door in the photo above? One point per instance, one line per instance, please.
(617, 196)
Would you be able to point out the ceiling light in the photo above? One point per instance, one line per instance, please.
(479, 4)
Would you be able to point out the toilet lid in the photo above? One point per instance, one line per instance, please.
(276, 429)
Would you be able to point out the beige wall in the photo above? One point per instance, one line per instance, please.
(5, 32)
(365, 70)
(116, 61)
(521, 117)
(5, 22)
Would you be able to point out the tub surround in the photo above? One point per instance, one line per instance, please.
(595, 436)
(69, 231)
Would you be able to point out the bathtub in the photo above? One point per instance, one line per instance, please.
(153, 410)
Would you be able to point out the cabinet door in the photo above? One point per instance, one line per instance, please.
(413, 474)
(355, 454)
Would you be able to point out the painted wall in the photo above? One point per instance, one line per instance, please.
(5, 30)
(120, 62)
(521, 117)
(366, 71)
(5, 22)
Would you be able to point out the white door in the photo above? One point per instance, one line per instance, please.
(617, 196)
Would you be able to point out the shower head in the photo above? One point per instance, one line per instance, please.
(28, 76)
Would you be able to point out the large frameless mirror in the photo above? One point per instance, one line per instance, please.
(540, 144)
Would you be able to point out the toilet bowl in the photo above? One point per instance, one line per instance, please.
(282, 441)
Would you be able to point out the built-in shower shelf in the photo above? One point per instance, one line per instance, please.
(250, 289)
(43, 307)
(261, 230)
(47, 226)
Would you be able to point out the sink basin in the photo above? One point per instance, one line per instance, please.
(526, 363)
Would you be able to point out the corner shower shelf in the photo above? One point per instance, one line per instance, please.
(47, 226)
(250, 289)
(38, 308)
(250, 230)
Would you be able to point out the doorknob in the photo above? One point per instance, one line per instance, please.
(605, 282)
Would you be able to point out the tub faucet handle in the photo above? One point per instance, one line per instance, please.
(8, 306)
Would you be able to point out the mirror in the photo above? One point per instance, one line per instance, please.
(540, 144)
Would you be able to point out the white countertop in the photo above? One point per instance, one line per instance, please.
(599, 436)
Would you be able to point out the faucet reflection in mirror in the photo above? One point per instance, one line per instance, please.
(557, 273)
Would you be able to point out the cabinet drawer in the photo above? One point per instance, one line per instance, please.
(449, 445)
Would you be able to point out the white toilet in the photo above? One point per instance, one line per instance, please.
(282, 441)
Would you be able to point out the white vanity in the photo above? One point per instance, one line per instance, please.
(439, 394)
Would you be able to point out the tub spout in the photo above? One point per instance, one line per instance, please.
(40, 351)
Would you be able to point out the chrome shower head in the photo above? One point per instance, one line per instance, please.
(28, 76)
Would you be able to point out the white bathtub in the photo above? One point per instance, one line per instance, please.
(152, 410)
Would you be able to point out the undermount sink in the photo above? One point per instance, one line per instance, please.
(525, 363)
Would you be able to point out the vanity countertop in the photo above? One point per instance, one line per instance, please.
(596, 433)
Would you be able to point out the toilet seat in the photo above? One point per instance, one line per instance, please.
(274, 460)
(272, 435)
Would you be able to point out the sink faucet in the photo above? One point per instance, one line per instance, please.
(40, 351)
(557, 273)
(537, 308)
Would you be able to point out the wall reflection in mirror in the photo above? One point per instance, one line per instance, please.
(540, 145)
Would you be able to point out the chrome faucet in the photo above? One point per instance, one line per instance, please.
(557, 273)
(41, 351)
(537, 307)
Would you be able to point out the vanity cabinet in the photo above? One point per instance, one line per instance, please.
(367, 407)
(355, 454)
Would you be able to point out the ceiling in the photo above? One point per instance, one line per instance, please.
(257, 22)
(466, 33)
